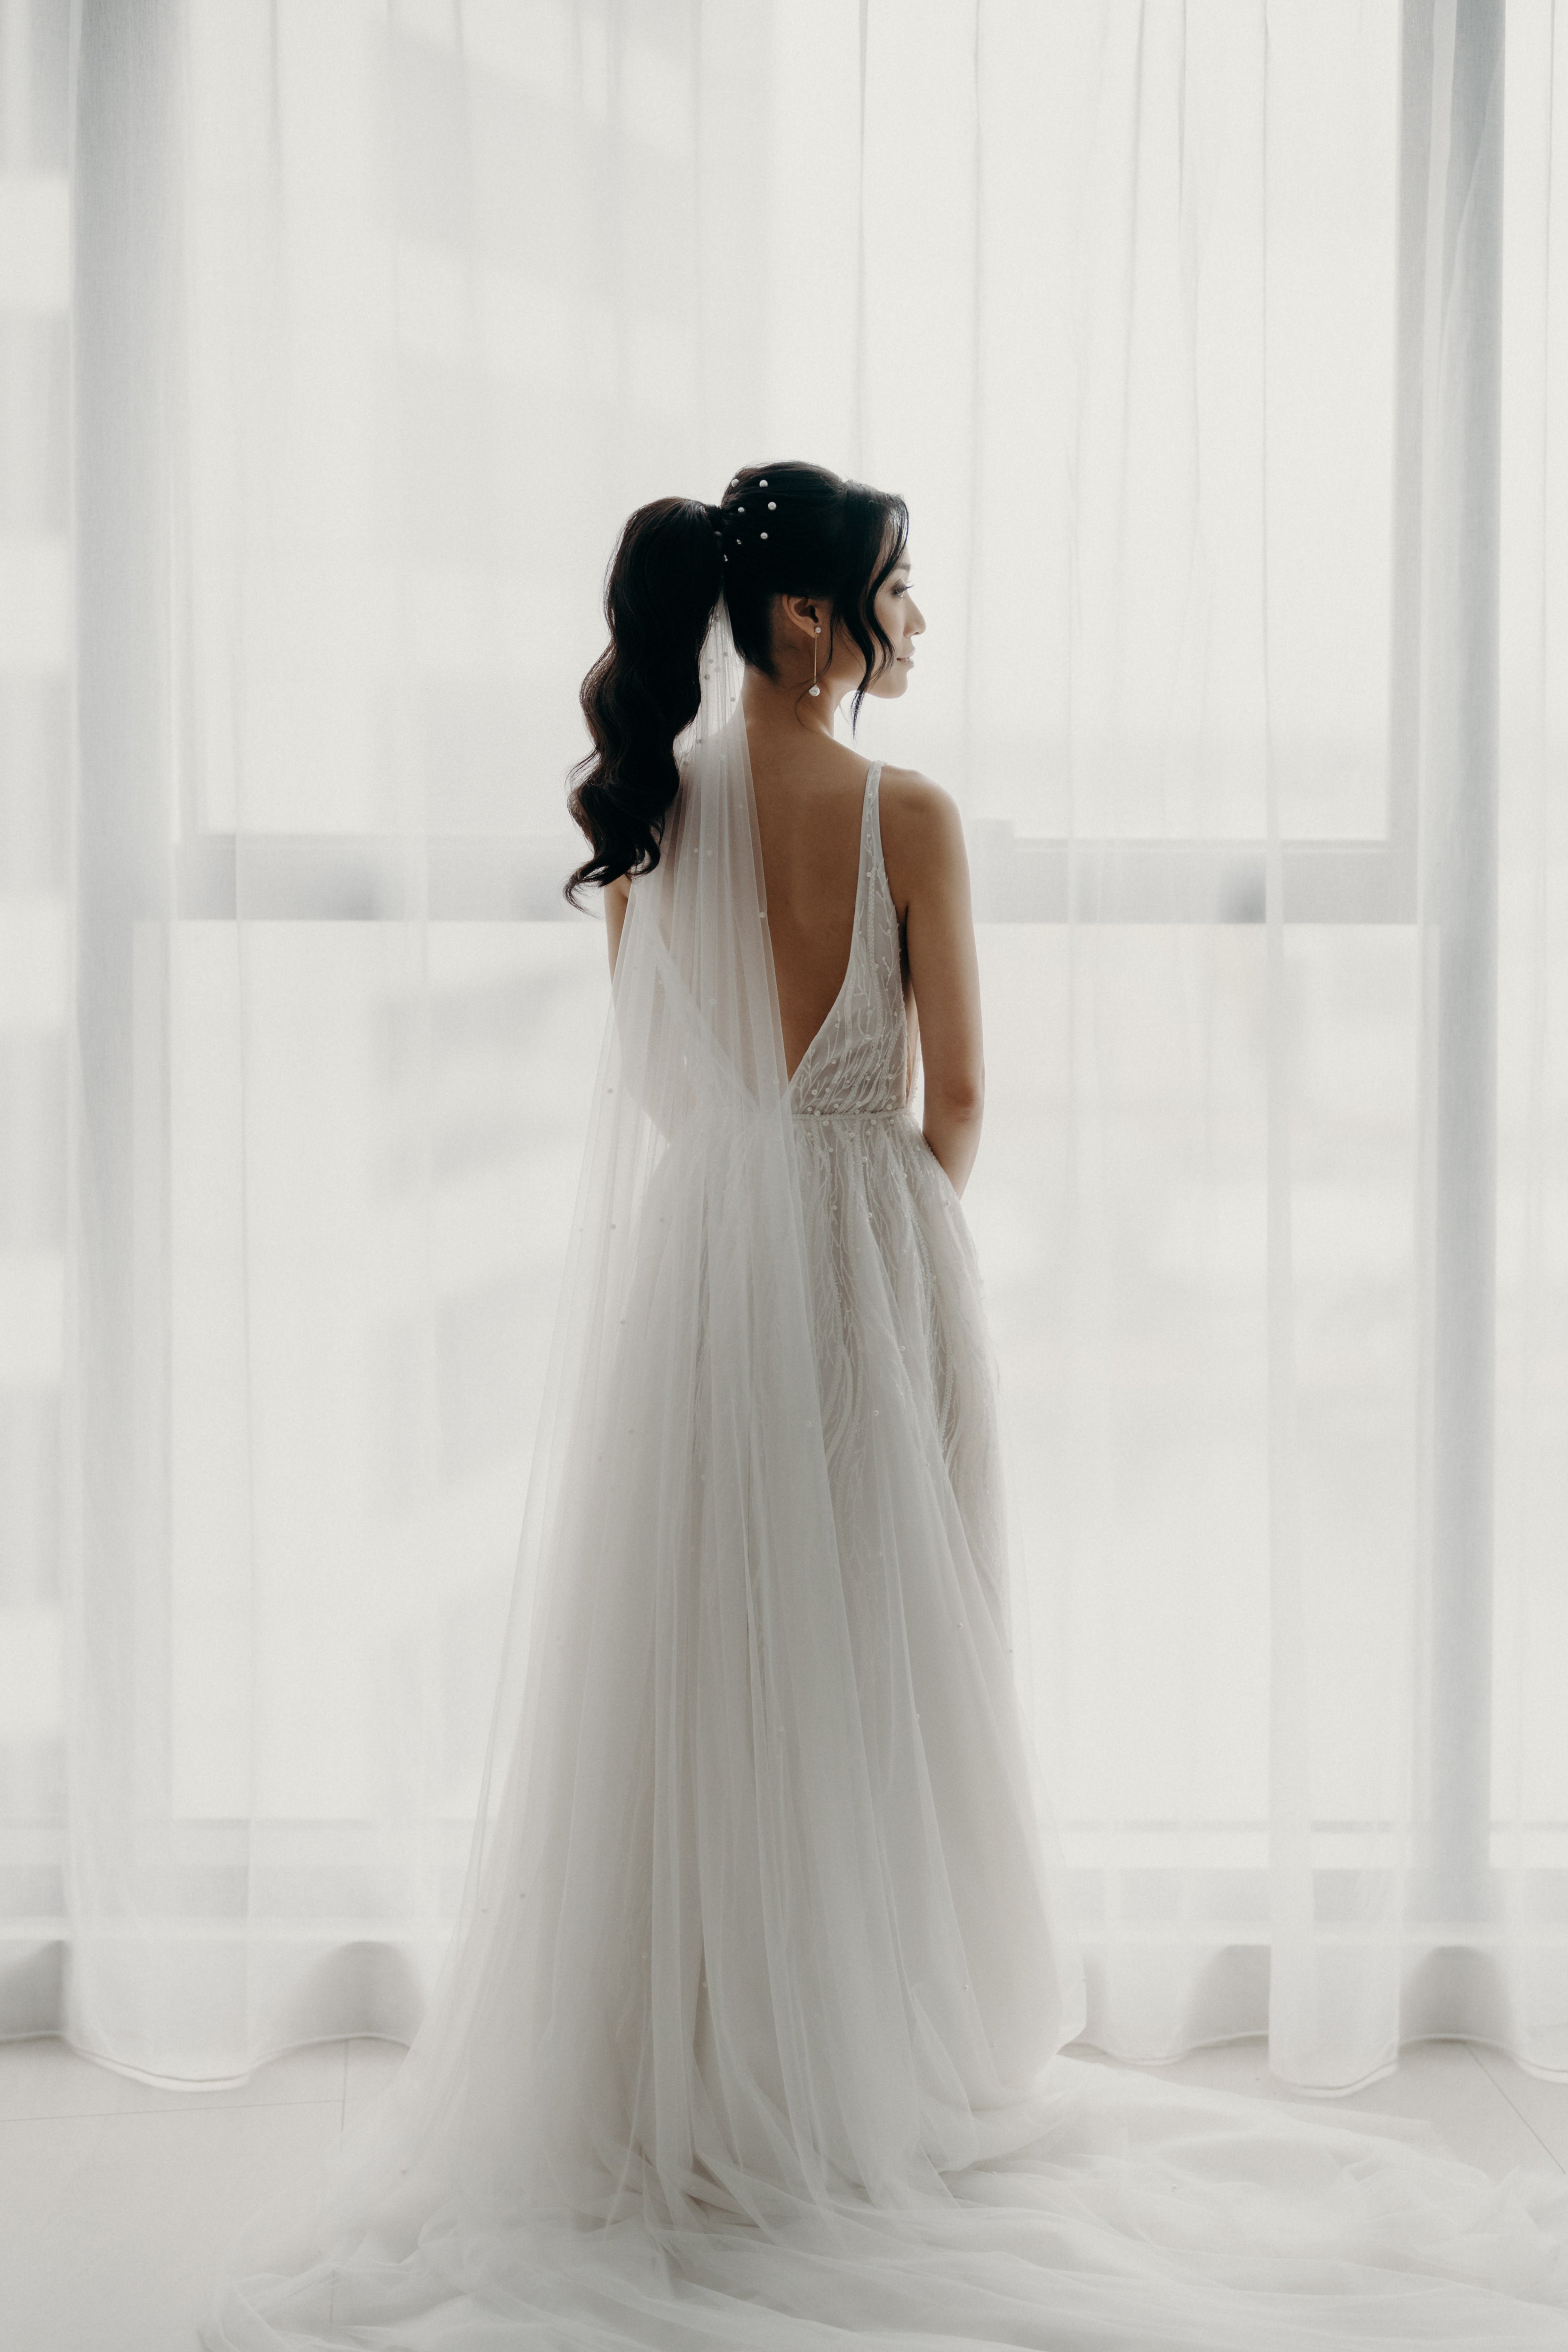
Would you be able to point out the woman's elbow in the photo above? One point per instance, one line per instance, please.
(961, 1097)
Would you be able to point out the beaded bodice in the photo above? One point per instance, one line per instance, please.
(858, 1060)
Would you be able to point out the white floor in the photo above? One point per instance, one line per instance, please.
(114, 2198)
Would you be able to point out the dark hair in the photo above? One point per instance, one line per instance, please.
(784, 529)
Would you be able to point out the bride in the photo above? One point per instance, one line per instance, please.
(751, 2032)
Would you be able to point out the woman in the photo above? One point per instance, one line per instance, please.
(750, 2033)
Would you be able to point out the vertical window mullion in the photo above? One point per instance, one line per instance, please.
(1453, 125)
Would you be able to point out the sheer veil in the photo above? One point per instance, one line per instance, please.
(708, 2061)
(675, 1990)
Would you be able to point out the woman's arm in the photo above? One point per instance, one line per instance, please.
(618, 896)
(939, 933)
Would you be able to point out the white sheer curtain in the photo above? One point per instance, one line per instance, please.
(1218, 351)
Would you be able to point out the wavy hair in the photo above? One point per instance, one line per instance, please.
(784, 529)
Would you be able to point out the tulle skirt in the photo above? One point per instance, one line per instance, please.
(753, 2039)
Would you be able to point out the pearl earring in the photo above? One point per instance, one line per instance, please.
(814, 687)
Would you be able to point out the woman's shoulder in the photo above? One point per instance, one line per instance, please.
(922, 831)
(918, 812)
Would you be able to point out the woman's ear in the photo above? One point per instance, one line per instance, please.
(802, 614)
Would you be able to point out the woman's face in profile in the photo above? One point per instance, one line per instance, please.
(901, 621)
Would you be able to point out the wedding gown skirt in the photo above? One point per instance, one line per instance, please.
(751, 2036)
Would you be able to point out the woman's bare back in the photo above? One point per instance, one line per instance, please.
(809, 808)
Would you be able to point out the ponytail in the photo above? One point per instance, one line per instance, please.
(785, 530)
(664, 582)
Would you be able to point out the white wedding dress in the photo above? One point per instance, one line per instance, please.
(750, 2034)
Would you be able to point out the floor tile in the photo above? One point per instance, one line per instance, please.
(1543, 2105)
(371, 2066)
(111, 2226)
(45, 2077)
(1439, 2083)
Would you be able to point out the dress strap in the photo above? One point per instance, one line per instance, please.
(870, 853)
(871, 826)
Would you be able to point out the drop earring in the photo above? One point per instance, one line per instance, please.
(814, 687)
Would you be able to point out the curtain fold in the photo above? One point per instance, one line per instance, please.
(1219, 352)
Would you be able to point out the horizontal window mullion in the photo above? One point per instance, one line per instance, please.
(1019, 879)
(371, 877)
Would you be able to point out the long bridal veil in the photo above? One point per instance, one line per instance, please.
(711, 2060)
